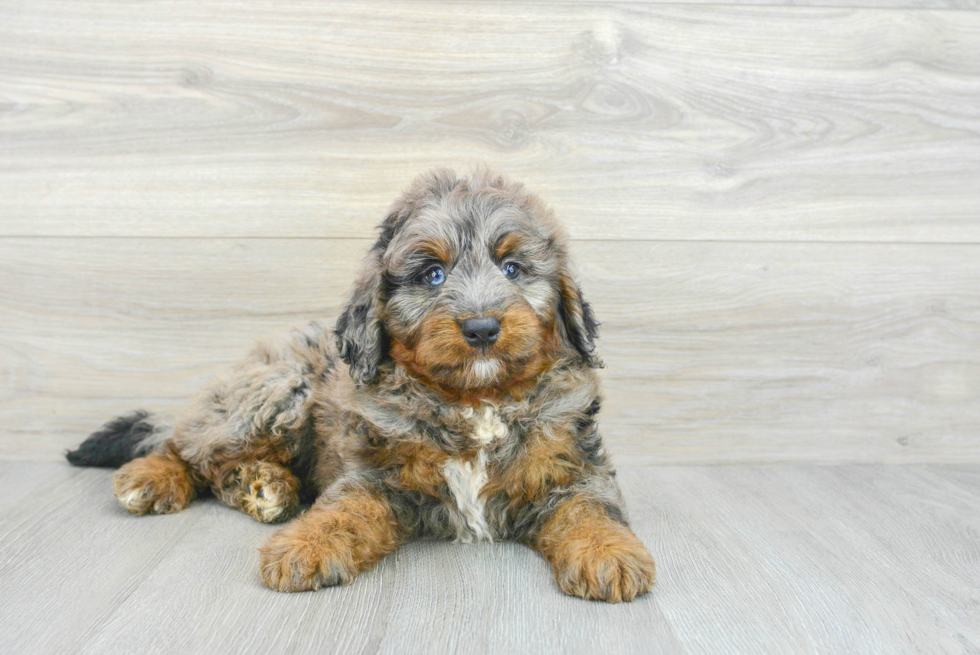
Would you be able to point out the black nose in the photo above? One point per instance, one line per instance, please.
(481, 331)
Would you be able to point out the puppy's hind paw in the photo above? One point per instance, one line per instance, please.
(272, 501)
(159, 483)
(266, 491)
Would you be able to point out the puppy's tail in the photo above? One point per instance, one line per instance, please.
(121, 440)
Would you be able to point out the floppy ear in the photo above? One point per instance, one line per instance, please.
(360, 331)
(579, 327)
(361, 337)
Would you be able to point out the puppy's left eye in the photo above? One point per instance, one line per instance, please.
(511, 270)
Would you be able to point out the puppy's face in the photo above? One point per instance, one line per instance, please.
(471, 292)
(467, 288)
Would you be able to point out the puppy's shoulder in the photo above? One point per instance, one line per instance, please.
(570, 387)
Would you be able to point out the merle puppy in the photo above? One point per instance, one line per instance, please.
(456, 398)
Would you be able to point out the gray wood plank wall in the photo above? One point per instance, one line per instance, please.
(776, 209)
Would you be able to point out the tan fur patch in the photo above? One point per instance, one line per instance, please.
(160, 483)
(441, 343)
(571, 299)
(419, 464)
(436, 248)
(546, 462)
(594, 556)
(440, 357)
(330, 544)
(508, 244)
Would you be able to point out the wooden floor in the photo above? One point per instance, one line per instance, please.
(770, 559)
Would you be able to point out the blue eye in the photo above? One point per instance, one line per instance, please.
(434, 276)
(511, 270)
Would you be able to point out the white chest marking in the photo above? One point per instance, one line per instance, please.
(467, 478)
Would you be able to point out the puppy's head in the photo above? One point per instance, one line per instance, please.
(468, 288)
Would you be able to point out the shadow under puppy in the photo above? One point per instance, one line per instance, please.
(459, 402)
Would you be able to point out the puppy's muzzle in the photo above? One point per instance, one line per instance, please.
(481, 332)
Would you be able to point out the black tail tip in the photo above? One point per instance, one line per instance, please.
(76, 457)
(114, 444)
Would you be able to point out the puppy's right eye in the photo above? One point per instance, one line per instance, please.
(434, 276)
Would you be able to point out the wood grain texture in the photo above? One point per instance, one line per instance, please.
(65, 565)
(20, 481)
(813, 560)
(288, 118)
(207, 597)
(502, 598)
(875, 4)
(776, 559)
(715, 352)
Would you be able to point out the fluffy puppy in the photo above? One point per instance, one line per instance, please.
(456, 398)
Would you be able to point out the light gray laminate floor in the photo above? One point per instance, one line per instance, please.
(751, 559)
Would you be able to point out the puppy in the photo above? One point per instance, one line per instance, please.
(456, 398)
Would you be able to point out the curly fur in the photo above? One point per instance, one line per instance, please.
(397, 426)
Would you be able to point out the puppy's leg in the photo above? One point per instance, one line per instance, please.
(160, 483)
(593, 555)
(245, 426)
(266, 491)
(342, 535)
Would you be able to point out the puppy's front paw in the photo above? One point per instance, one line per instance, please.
(158, 484)
(334, 541)
(301, 558)
(613, 567)
(595, 556)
